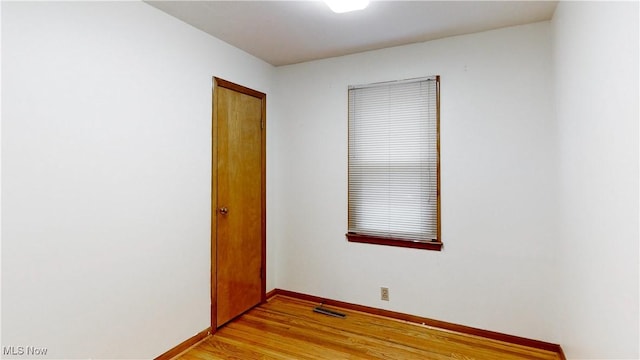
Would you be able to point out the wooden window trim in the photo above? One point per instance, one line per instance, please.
(377, 240)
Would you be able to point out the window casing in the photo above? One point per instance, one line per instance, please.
(394, 167)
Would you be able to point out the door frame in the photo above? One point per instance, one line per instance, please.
(221, 83)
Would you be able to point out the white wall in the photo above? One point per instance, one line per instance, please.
(498, 181)
(596, 83)
(106, 138)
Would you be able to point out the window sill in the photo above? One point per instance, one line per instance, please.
(425, 245)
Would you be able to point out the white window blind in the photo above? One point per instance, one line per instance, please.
(393, 160)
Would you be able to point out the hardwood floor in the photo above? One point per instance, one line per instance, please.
(287, 328)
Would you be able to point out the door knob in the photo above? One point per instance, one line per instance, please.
(224, 210)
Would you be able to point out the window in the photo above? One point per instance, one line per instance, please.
(394, 163)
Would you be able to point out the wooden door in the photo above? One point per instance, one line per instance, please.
(238, 201)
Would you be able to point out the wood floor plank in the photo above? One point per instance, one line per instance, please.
(335, 336)
(404, 332)
(286, 328)
(350, 344)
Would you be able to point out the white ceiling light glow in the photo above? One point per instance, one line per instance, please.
(342, 6)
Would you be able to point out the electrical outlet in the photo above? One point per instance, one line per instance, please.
(384, 293)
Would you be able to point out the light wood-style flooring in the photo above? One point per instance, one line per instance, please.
(287, 328)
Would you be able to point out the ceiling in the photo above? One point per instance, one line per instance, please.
(289, 32)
